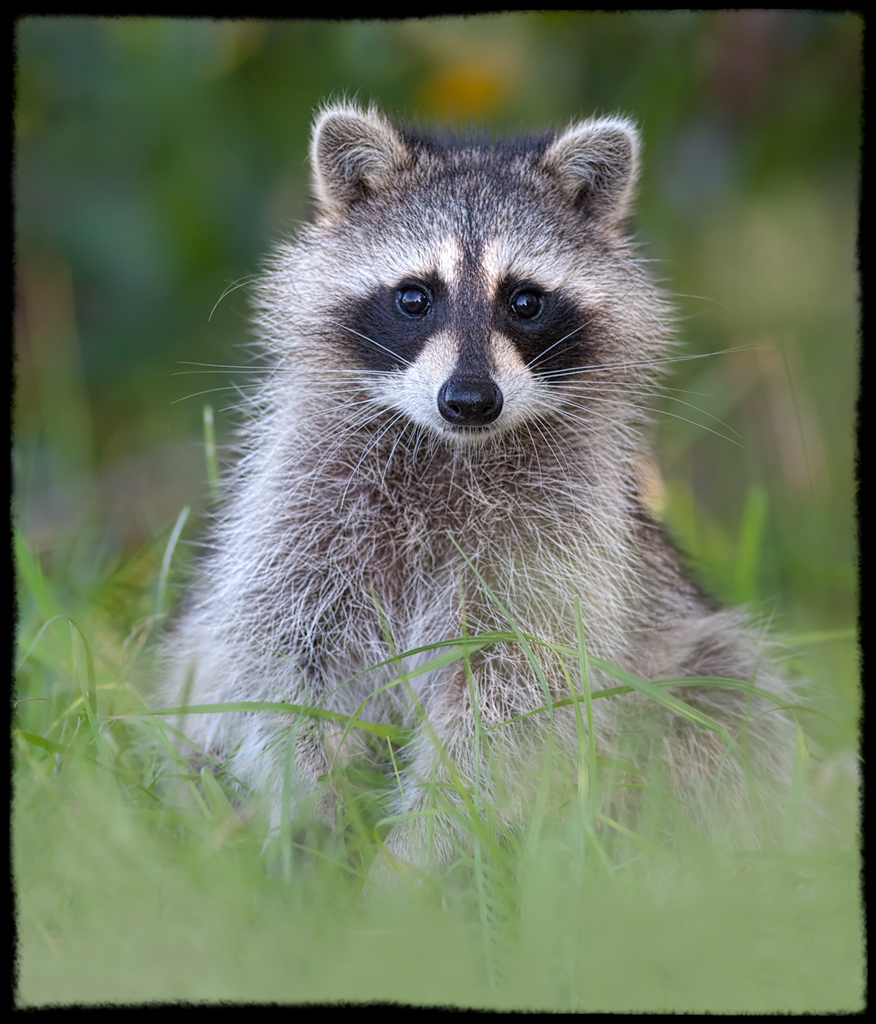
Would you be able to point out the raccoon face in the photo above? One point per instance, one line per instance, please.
(462, 358)
(473, 320)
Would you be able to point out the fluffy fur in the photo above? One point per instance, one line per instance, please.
(451, 435)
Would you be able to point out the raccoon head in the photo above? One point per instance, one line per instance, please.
(471, 282)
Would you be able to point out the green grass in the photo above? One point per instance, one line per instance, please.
(139, 878)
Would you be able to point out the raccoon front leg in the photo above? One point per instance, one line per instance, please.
(468, 762)
(430, 833)
(284, 759)
(278, 756)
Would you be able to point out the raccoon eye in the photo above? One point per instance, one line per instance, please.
(526, 305)
(414, 301)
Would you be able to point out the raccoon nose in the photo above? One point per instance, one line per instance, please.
(469, 401)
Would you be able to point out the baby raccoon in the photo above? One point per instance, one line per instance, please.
(449, 441)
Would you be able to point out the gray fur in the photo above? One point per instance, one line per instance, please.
(351, 484)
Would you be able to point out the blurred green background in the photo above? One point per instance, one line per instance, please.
(156, 161)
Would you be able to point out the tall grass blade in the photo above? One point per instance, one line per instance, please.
(210, 452)
(30, 571)
(795, 798)
(168, 557)
(88, 686)
(226, 707)
(584, 675)
(754, 517)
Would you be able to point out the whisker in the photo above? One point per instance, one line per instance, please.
(535, 359)
(371, 341)
(242, 283)
(209, 391)
(222, 366)
(592, 394)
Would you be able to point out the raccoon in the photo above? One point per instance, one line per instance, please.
(450, 441)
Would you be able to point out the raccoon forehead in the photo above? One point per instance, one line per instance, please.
(388, 260)
(551, 262)
(491, 257)
(441, 256)
(502, 258)
(456, 261)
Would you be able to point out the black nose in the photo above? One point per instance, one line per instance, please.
(469, 401)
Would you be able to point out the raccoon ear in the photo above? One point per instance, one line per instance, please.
(353, 152)
(597, 162)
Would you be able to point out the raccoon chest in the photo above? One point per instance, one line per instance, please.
(342, 573)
